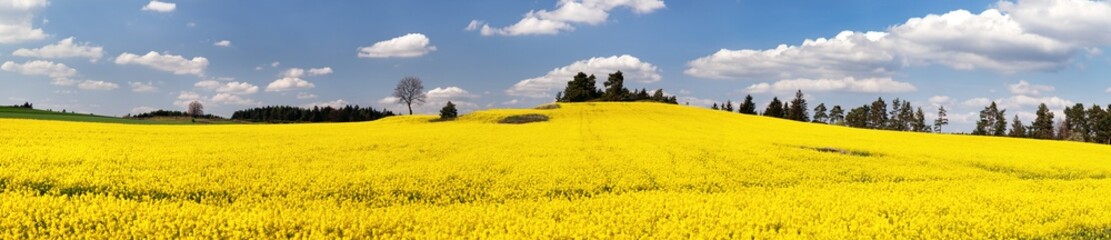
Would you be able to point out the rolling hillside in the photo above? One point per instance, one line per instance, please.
(36, 114)
(594, 170)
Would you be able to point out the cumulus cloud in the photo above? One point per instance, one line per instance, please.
(448, 93)
(320, 71)
(142, 87)
(408, 45)
(1021, 37)
(66, 48)
(142, 109)
(158, 6)
(1081, 22)
(545, 86)
(207, 84)
(291, 79)
(97, 85)
(166, 62)
(938, 101)
(16, 21)
(1025, 88)
(222, 43)
(847, 84)
(232, 99)
(563, 18)
(40, 68)
(338, 103)
(237, 88)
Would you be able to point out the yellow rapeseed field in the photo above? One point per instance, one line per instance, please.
(595, 170)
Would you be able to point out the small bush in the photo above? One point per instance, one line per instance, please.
(525, 118)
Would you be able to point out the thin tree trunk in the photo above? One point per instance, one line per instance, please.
(410, 108)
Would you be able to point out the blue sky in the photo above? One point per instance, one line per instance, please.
(119, 57)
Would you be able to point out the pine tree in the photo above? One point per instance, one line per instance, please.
(860, 117)
(715, 107)
(1099, 121)
(941, 120)
(798, 111)
(919, 124)
(1043, 125)
(774, 109)
(877, 114)
(728, 106)
(448, 112)
(659, 96)
(1018, 129)
(820, 114)
(747, 107)
(837, 115)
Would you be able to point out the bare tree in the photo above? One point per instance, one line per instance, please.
(195, 109)
(409, 90)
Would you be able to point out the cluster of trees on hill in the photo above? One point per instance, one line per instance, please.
(26, 105)
(287, 114)
(901, 117)
(1080, 124)
(582, 88)
(169, 113)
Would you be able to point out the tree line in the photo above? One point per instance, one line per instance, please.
(26, 105)
(290, 114)
(901, 116)
(1082, 124)
(582, 88)
(169, 113)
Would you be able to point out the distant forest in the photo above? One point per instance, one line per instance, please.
(165, 113)
(1081, 124)
(582, 88)
(290, 114)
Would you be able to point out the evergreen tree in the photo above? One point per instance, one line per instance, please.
(906, 116)
(941, 120)
(798, 109)
(615, 87)
(1018, 129)
(715, 107)
(837, 115)
(820, 114)
(774, 109)
(859, 117)
(449, 111)
(895, 120)
(919, 123)
(1076, 118)
(991, 122)
(1043, 125)
(877, 114)
(728, 106)
(659, 96)
(747, 107)
(1099, 121)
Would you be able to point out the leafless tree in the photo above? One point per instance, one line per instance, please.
(195, 109)
(409, 91)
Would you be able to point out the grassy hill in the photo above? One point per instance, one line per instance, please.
(24, 113)
(593, 170)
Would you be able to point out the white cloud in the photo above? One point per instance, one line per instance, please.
(959, 39)
(158, 6)
(166, 62)
(976, 102)
(1025, 88)
(388, 100)
(1028, 101)
(304, 95)
(567, 12)
(232, 99)
(545, 86)
(1077, 21)
(338, 103)
(847, 84)
(142, 87)
(237, 88)
(222, 43)
(847, 54)
(938, 101)
(695, 101)
(97, 85)
(320, 71)
(40, 68)
(207, 84)
(290, 80)
(275, 64)
(448, 93)
(408, 45)
(185, 97)
(66, 48)
(16, 18)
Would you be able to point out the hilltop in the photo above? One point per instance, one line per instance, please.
(607, 170)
